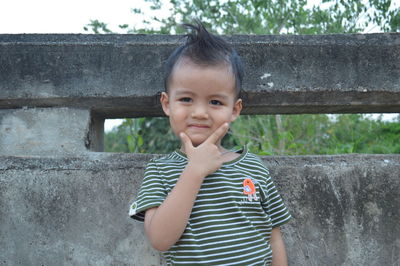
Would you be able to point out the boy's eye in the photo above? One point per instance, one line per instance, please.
(215, 102)
(185, 99)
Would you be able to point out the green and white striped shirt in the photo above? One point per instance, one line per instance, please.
(232, 218)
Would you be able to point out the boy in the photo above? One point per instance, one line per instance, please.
(204, 204)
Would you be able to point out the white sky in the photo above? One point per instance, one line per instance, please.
(70, 16)
(64, 16)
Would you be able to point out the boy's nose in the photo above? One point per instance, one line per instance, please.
(199, 112)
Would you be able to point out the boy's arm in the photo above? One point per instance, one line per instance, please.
(165, 224)
(279, 257)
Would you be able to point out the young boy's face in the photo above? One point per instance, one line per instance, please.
(200, 99)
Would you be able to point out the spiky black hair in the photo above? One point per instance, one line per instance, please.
(205, 49)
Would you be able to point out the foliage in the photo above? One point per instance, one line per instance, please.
(266, 135)
(320, 134)
(293, 134)
(266, 16)
(97, 27)
(280, 16)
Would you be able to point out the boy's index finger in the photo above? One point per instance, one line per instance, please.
(187, 143)
(218, 134)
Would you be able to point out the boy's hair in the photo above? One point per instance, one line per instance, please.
(205, 49)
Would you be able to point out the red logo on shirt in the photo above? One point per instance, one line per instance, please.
(249, 189)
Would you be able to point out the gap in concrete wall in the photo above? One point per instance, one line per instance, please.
(270, 134)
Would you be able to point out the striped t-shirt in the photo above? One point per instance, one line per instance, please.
(233, 215)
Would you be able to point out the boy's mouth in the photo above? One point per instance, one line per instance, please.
(198, 126)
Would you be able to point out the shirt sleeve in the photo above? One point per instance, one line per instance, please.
(273, 204)
(151, 193)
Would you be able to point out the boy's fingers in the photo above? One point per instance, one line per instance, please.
(187, 143)
(218, 134)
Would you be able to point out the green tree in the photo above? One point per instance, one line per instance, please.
(279, 16)
(306, 134)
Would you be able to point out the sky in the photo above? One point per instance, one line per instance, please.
(70, 16)
(64, 16)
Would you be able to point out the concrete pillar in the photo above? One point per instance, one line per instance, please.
(46, 131)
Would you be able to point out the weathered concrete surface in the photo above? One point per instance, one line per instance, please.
(61, 204)
(74, 210)
(71, 211)
(44, 131)
(120, 75)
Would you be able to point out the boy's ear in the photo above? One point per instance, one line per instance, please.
(237, 108)
(165, 103)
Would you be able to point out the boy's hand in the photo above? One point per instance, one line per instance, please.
(206, 158)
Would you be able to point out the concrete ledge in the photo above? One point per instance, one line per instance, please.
(74, 210)
(113, 75)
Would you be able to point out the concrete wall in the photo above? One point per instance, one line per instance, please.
(120, 75)
(62, 203)
(72, 210)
